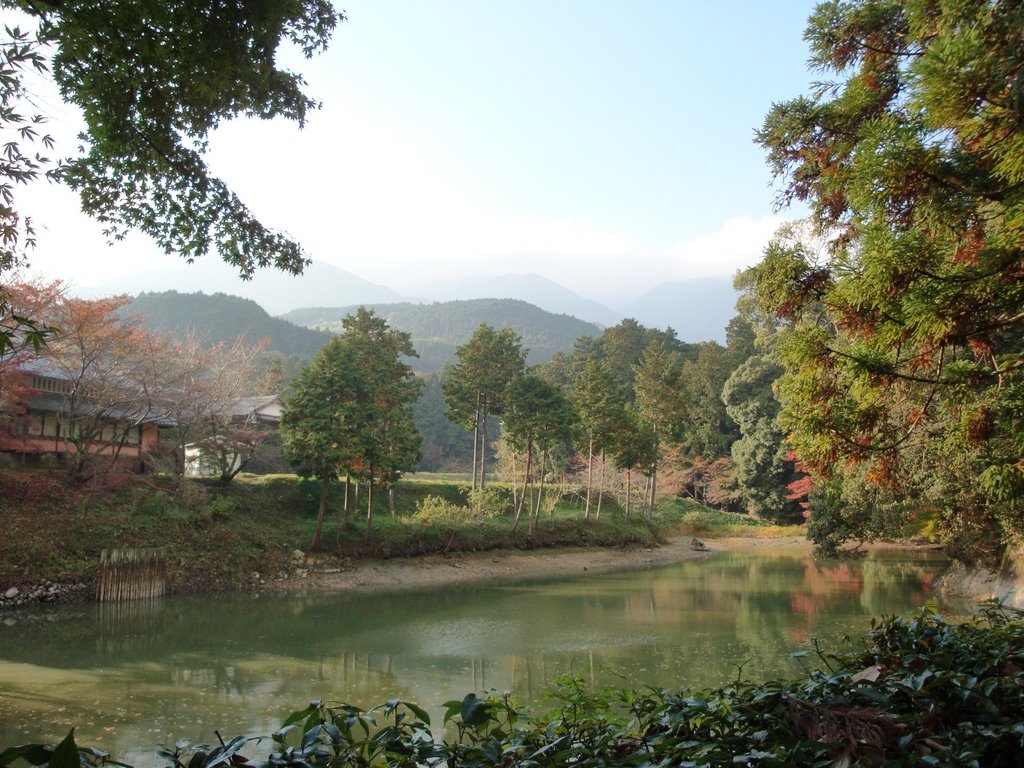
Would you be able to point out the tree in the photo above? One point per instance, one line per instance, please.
(444, 444)
(390, 441)
(152, 80)
(904, 332)
(538, 417)
(319, 425)
(762, 462)
(212, 411)
(600, 401)
(708, 431)
(660, 401)
(478, 385)
(350, 410)
(634, 448)
(113, 375)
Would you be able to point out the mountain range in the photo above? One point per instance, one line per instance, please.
(437, 329)
(698, 309)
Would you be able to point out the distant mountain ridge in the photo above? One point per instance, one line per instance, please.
(222, 318)
(277, 292)
(535, 289)
(438, 328)
(698, 309)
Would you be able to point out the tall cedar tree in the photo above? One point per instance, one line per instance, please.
(350, 410)
(538, 416)
(478, 385)
(660, 401)
(600, 401)
(319, 425)
(390, 440)
(903, 348)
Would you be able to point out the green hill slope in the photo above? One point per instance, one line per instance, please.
(437, 329)
(220, 317)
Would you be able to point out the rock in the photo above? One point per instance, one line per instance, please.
(12, 593)
(298, 556)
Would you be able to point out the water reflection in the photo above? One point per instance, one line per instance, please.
(131, 676)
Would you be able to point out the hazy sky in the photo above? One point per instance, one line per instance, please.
(606, 145)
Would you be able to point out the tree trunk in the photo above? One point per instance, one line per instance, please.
(325, 484)
(483, 455)
(629, 489)
(540, 494)
(526, 478)
(345, 509)
(654, 491)
(476, 440)
(590, 476)
(515, 481)
(391, 497)
(369, 510)
(600, 487)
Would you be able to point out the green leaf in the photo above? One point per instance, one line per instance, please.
(65, 754)
(418, 711)
(474, 710)
(36, 754)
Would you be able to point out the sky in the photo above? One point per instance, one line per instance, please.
(605, 145)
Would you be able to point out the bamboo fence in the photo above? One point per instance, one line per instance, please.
(137, 573)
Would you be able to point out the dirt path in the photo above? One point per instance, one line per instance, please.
(463, 567)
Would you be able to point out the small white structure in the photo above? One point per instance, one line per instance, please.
(225, 453)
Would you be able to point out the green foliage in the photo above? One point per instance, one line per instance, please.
(445, 447)
(222, 318)
(350, 410)
(485, 504)
(707, 429)
(537, 414)
(901, 305)
(852, 508)
(152, 80)
(478, 385)
(492, 501)
(487, 365)
(760, 455)
(919, 691)
(436, 508)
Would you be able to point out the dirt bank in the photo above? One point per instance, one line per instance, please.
(460, 568)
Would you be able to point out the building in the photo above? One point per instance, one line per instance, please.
(47, 415)
(244, 423)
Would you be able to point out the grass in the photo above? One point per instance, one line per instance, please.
(694, 518)
(217, 537)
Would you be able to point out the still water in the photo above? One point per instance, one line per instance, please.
(130, 676)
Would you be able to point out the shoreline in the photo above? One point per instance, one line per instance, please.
(465, 568)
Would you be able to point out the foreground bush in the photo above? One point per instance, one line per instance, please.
(920, 692)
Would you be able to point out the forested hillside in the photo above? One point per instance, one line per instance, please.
(223, 318)
(437, 329)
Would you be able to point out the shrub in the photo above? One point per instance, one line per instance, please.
(491, 501)
(697, 521)
(433, 508)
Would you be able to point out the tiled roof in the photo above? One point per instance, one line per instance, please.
(246, 406)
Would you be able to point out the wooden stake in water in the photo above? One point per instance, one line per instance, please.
(136, 573)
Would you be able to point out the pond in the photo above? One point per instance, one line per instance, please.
(130, 676)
